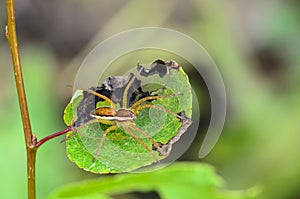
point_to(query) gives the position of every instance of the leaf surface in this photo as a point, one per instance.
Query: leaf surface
(120, 152)
(180, 180)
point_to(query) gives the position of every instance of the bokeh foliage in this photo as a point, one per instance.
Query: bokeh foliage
(201, 179)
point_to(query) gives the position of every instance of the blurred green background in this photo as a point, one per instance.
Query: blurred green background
(255, 44)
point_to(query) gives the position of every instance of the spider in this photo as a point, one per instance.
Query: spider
(124, 118)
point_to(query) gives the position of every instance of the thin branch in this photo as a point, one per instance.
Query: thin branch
(30, 139)
(13, 43)
(11, 35)
(49, 137)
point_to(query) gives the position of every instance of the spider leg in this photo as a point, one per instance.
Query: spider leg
(103, 121)
(155, 144)
(124, 99)
(137, 109)
(109, 129)
(68, 137)
(152, 98)
(140, 141)
(75, 129)
(101, 96)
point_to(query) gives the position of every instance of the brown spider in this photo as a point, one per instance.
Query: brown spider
(124, 118)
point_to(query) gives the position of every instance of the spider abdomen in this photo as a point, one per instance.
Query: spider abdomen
(105, 111)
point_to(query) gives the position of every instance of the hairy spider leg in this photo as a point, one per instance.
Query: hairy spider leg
(124, 99)
(146, 136)
(140, 141)
(75, 129)
(111, 103)
(137, 103)
(103, 121)
(109, 129)
(144, 106)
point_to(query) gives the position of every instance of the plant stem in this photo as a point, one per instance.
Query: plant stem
(13, 43)
(11, 35)
(45, 139)
(30, 139)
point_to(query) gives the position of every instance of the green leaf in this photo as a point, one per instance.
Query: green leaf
(70, 111)
(180, 180)
(120, 152)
